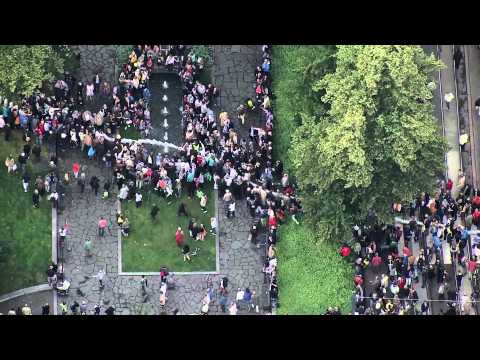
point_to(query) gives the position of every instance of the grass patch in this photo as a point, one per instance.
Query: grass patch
(151, 245)
(312, 276)
(129, 132)
(25, 232)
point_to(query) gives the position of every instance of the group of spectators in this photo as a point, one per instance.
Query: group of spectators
(240, 168)
(438, 222)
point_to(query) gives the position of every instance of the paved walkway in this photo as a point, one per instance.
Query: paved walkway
(234, 74)
(239, 260)
(450, 116)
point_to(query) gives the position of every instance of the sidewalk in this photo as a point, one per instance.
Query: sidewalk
(450, 116)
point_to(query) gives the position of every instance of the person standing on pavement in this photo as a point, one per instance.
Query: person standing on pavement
(110, 311)
(95, 184)
(52, 276)
(26, 310)
(74, 308)
(81, 182)
(46, 309)
(144, 284)
(63, 308)
(96, 310)
(83, 308)
(448, 99)
(376, 262)
(102, 224)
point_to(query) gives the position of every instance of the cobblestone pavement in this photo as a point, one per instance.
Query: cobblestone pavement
(239, 260)
(234, 73)
(96, 58)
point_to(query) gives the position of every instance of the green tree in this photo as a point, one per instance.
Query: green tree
(23, 68)
(295, 71)
(379, 141)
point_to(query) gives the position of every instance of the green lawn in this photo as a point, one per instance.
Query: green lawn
(151, 245)
(312, 275)
(25, 232)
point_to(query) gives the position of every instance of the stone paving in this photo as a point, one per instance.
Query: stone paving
(96, 58)
(234, 74)
(239, 260)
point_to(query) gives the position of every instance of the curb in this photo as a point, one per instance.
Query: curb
(26, 291)
(54, 254)
(217, 235)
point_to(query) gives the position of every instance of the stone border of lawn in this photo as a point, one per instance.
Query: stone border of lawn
(25, 291)
(54, 253)
(217, 252)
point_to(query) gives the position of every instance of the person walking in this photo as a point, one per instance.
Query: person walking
(25, 181)
(102, 224)
(144, 284)
(76, 169)
(81, 182)
(100, 276)
(88, 247)
(138, 199)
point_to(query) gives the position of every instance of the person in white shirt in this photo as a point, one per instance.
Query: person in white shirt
(231, 210)
(123, 192)
(138, 199)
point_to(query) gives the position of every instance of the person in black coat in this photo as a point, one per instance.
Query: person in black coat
(46, 309)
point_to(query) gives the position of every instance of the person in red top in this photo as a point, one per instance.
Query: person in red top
(179, 238)
(102, 224)
(472, 264)
(406, 251)
(358, 280)
(345, 251)
(76, 169)
(476, 216)
(272, 221)
(449, 185)
(376, 262)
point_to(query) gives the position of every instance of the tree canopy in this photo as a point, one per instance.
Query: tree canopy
(378, 142)
(23, 68)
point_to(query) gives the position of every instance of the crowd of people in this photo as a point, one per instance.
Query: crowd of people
(433, 221)
(240, 168)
